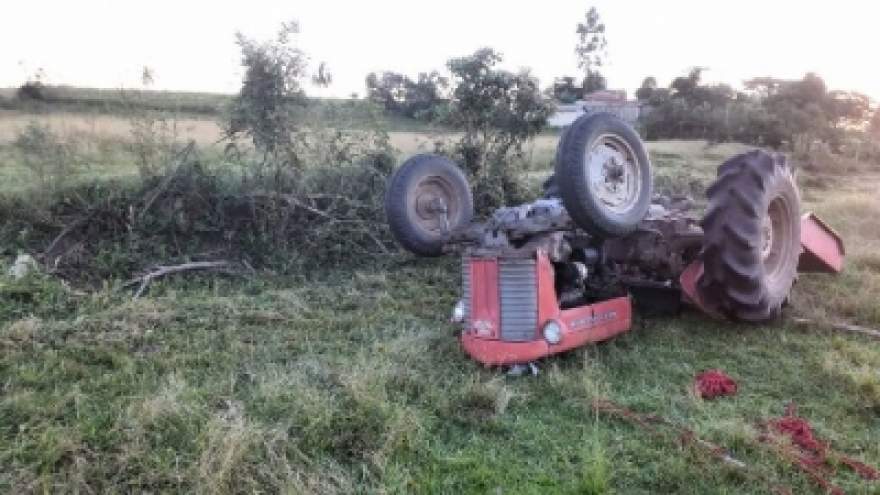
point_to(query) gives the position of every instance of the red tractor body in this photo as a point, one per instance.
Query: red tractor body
(510, 302)
(567, 269)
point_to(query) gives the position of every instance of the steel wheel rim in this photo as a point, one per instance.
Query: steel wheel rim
(613, 174)
(776, 234)
(435, 204)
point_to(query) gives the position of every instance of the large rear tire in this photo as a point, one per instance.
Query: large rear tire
(751, 240)
(603, 175)
(427, 198)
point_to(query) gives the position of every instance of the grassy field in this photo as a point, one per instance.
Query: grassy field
(104, 141)
(681, 166)
(349, 380)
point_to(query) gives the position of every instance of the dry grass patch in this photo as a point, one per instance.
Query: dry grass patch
(854, 212)
(858, 367)
(101, 127)
(21, 333)
(481, 399)
(167, 401)
(132, 324)
(223, 465)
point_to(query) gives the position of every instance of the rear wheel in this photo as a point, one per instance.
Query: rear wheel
(427, 198)
(751, 240)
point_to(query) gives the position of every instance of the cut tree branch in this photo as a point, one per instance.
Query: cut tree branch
(162, 271)
(163, 186)
(67, 230)
(840, 327)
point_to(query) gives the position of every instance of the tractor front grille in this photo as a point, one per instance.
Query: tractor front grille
(466, 288)
(517, 298)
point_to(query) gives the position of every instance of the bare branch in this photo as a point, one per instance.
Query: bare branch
(162, 271)
(155, 193)
(67, 230)
(840, 327)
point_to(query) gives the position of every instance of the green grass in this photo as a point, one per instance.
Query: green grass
(348, 379)
(351, 381)
(686, 167)
(121, 102)
(103, 141)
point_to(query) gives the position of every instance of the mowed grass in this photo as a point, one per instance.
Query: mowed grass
(349, 379)
(352, 382)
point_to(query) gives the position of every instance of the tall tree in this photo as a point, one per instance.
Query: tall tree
(388, 89)
(685, 86)
(764, 87)
(419, 99)
(875, 125)
(566, 89)
(649, 84)
(591, 50)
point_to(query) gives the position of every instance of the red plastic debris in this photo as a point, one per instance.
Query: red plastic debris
(808, 452)
(800, 432)
(714, 383)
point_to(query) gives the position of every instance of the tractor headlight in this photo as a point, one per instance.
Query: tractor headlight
(552, 332)
(458, 313)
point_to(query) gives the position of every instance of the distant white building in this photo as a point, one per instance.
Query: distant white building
(611, 101)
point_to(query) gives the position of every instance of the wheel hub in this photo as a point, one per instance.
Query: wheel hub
(614, 174)
(434, 204)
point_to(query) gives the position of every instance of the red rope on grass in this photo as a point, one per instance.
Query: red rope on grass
(714, 383)
(808, 452)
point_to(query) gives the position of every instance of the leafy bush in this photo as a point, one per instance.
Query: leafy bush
(155, 137)
(498, 112)
(303, 195)
(31, 91)
(46, 156)
(330, 212)
(272, 86)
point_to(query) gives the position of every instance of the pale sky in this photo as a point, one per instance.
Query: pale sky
(190, 44)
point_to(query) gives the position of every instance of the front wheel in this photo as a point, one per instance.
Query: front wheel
(427, 198)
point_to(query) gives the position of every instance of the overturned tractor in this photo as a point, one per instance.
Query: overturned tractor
(564, 270)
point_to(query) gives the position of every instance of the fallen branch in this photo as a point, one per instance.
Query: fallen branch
(162, 271)
(300, 204)
(291, 200)
(649, 422)
(166, 182)
(840, 326)
(67, 230)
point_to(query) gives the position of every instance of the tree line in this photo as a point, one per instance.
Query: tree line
(767, 111)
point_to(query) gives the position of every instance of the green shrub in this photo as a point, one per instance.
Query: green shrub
(32, 90)
(498, 112)
(197, 209)
(49, 159)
